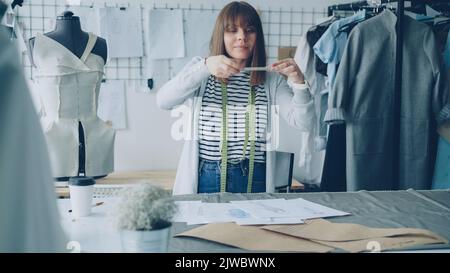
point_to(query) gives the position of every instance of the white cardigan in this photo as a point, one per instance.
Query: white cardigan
(187, 88)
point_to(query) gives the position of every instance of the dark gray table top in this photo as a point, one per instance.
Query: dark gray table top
(380, 209)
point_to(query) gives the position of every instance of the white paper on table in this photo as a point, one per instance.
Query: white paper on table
(269, 221)
(236, 212)
(293, 208)
(265, 208)
(218, 213)
(89, 18)
(186, 210)
(111, 103)
(123, 31)
(166, 36)
(309, 210)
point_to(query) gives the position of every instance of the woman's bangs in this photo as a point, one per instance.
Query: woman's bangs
(238, 17)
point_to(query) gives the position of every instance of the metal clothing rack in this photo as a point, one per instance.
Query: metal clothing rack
(397, 92)
(416, 6)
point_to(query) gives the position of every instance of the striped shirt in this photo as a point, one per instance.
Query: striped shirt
(238, 90)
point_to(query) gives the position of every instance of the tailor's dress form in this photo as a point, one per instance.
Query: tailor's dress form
(68, 88)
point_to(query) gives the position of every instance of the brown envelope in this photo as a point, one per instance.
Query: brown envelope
(320, 229)
(253, 238)
(357, 238)
(382, 244)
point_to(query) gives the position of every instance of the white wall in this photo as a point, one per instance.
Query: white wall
(146, 144)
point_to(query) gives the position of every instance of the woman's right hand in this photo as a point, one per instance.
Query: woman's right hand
(221, 66)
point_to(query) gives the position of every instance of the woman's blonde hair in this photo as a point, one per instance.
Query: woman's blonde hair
(248, 17)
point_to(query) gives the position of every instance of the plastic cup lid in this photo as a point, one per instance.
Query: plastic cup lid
(81, 181)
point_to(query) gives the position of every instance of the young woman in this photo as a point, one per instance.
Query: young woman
(232, 131)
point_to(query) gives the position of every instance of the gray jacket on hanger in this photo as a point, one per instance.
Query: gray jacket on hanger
(363, 96)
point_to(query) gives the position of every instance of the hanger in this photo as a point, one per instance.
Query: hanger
(347, 27)
(441, 22)
(372, 7)
(390, 5)
(325, 19)
(442, 7)
(351, 6)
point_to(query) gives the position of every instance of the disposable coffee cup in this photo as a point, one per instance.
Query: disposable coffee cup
(81, 193)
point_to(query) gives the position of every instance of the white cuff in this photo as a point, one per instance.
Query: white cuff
(298, 86)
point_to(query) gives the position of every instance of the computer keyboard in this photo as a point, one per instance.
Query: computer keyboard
(105, 191)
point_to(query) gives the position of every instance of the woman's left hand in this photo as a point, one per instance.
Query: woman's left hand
(288, 68)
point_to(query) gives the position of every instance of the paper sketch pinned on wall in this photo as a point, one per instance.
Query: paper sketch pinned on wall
(112, 104)
(158, 71)
(89, 18)
(165, 35)
(122, 29)
(198, 26)
(73, 2)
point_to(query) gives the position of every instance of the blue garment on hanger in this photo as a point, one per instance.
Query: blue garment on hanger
(330, 47)
(441, 179)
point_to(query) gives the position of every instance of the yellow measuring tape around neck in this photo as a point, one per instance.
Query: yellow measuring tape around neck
(250, 126)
